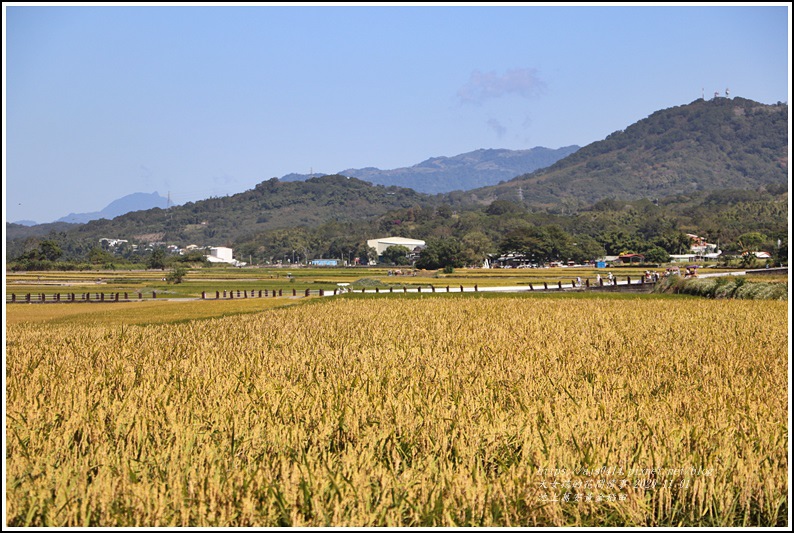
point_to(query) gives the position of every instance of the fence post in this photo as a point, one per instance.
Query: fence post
(307, 292)
(391, 289)
(322, 292)
(13, 298)
(140, 296)
(154, 294)
(628, 280)
(294, 292)
(334, 292)
(432, 288)
(58, 297)
(545, 285)
(279, 292)
(559, 284)
(102, 297)
(601, 281)
(203, 295)
(531, 287)
(475, 288)
(405, 289)
(419, 289)
(447, 288)
(117, 297)
(377, 290)
(587, 283)
(461, 288)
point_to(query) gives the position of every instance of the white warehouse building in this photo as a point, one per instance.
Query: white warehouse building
(221, 254)
(380, 245)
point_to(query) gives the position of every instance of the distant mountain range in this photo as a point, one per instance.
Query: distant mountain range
(471, 170)
(138, 201)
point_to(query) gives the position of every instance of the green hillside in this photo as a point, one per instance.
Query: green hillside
(270, 205)
(706, 145)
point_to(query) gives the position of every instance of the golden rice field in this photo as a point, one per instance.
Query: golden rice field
(390, 411)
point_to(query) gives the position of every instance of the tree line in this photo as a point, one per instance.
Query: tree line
(738, 221)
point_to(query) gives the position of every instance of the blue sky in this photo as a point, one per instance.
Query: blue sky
(208, 100)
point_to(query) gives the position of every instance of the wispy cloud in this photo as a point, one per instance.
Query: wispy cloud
(483, 86)
(497, 127)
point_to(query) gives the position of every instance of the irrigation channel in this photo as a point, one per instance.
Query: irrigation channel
(627, 284)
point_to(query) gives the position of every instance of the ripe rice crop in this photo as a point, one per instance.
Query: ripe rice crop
(390, 412)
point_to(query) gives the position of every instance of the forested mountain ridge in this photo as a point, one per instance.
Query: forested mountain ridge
(723, 143)
(272, 204)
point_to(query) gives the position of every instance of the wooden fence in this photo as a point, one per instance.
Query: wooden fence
(89, 297)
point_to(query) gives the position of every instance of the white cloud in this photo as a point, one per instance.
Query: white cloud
(523, 82)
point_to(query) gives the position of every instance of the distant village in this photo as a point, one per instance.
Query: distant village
(700, 251)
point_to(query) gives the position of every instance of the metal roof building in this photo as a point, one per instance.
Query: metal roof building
(381, 244)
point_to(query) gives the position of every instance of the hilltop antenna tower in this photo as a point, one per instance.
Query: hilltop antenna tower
(168, 201)
(520, 194)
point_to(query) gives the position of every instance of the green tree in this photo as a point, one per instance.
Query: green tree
(586, 249)
(156, 259)
(444, 211)
(503, 207)
(544, 244)
(657, 255)
(50, 250)
(558, 243)
(98, 256)
(752, 241)
(177, 274)
(441, 253)
(477, 246)
(396, 255)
